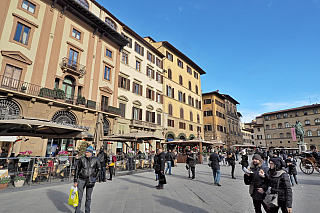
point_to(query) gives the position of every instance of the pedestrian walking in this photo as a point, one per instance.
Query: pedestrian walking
(280, 184)
(244, 160)
(175, 158)
(232, 163)
(257, 179)
(159, 168)
(237, 154)
(215, 159)
(169, 159)
(193, 159)
(277, 159)
(111, 163)
(292, 171)
(86, 172)
(156, 166)
(102, 156)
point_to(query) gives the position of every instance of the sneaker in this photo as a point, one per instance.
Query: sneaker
(193, 178)
(160, 187)
(218, 184)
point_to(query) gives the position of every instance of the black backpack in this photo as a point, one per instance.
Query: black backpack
(101, 157)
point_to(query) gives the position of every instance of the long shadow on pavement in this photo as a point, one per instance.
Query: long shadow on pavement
(163, 200)
(60, 200)
(137, 182)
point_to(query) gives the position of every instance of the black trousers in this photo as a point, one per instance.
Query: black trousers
(193, 170)
(232, 169)
(110, 172)
(281, 205)
(257, 206)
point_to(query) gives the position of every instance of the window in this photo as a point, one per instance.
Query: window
(169, 56)
(259, 137)
(207, 101)
(317, 121)
(149, 72)
(22, 34)
(124, 83)
(279, 126)
(278, 116)
(197, 89)
(111, 23)
(189, 84)
(136, 113)
(108, 53)
(258, 129)
(198, 129)
(83, 3)
(180, 63)
(307, 122)
(150, 117)
(28, 6)
(137, 88)
(191, 116)
(159, 98)
(207, 128)
(138, 65)
(150, 94)
(76, 34)
(305, 112)
(281, 135)
(190, 127)
(73, 57)
(170, 123)
(315, 111)
(169, 91)
(169, 74)
(266, 118)
(267, 126)
(170, 109)
(180, 80)
(285, 115)
(107, 71)
(159, 78)
(11, 76)
(197, 104)
(68, 87)
(288, 134)
(138, 49)
(318, 132)
(268, 136)
(198, 118)
(124, 58)
(150, 57)
(287, 125)
(104, 103)
(159, 63)
(122, 106)
(189, 70)
(296, 114)
(181, 114)
(207, 113)
(309, 133)
(180, 96)
(56, 83)
(182, 125)
(159, 119)
(195, 74)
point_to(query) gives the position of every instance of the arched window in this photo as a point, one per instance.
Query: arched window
(191, 116)
(317, 121)
(83, 3)
(111, 23)
(287, 125)
(197, 89)
(280, 126)
(288, 135)
(268, 136)
(169, 91)
(198, 118)
(189, 85)
(197, 104)
(180, 80)
(170, 109)
(68, 87)
(267, 126)
(181, 113)
(307, 122)
(309, 133)
(169, 74)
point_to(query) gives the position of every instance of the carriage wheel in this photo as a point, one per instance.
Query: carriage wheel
(306, 167)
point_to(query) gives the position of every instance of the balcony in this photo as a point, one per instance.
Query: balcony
(232, 114)
(73, 67)
(54, 94)
(142, 124)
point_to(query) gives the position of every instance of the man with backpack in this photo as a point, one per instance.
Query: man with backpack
(102, 156)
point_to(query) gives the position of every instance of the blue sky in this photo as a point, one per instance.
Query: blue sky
(265, 54)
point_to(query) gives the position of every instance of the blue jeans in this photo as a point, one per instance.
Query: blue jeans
(216, 175)
(157, 176)
(81, 186)
(244, 168)
(168, 167)
(295, 178)
(103, 174)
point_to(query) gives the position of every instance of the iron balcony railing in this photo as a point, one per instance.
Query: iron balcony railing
(145, 124)
(54, 94)
(73, 66)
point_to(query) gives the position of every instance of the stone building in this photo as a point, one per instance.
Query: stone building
(59, 61)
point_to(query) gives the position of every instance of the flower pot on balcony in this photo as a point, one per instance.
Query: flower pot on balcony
(24, 159)
(18, 183)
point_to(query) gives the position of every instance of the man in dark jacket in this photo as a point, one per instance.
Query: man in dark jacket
(215, 159)
(169, 159)
(292, 171)
(102, 156)
(159, 167)
(87, 170)
(257, 178)
(2, 161)
(193, 159)
(232, 163)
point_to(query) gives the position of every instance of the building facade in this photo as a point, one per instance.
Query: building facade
(182, 98)
(277, 126)
(59, 61)
(221, 118)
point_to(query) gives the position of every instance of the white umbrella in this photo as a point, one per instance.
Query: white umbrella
(98, 133)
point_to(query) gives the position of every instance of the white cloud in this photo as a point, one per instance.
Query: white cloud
(274, 106)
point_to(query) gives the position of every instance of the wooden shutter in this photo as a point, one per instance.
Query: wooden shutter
(192, 101)
(147, 115)
(128, 84)
(161, 99)
(161, 77)
(142, 51)
(140, 114)
(140, 89)
(153, 117)
(135, 46)
(148, 55)
(199, 104)
(147, 71)
(130, 44)
(167, 54)
(119, 82)
(132, 112)
(172, 92)
(157, 97)
(167, 90)
(184, 97)
(172, 123)
(133, 86)
(152, 74)
(153, 58)
(152, 92)
(161, 64)
(147, 93)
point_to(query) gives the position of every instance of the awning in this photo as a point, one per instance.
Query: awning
(8, 138)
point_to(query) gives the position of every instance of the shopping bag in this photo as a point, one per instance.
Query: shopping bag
(162, 179)
(73, 197)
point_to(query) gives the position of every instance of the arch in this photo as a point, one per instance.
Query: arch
(279, 125)
(307, 122)
(150, 107)
(171, 134)
(169, 74)
(159, 110)
(106, 126)
(111, 23)
(64, 117)
(123, 98)
(191, 136)
(317, 121)
(189, 84)
(180, 80)
(182, 136)
(137, 103)
(9, 109)
(83, 3)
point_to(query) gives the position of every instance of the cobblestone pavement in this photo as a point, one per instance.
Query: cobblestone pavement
(137, 193)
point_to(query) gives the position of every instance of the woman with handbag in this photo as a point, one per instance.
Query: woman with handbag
(279, 183)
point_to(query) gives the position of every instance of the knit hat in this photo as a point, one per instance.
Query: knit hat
(257, 157)
(276, 162)
(89, 149)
